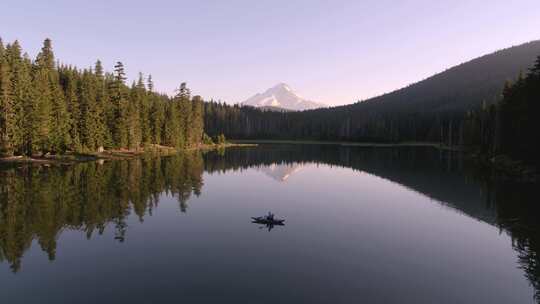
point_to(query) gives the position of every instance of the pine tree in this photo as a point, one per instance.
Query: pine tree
(5, 83)
(150, 84)
(43, 98)
(55, 120)
(70, 81)
(26, 117)
(144, 111)
(534, 71)
(157, 118)
(133, 117)
(119, 121)
(171, 134)
(102, 103)
(60, 120)
(17, 91)
(183, 103)
(90, 116)
(197, 119)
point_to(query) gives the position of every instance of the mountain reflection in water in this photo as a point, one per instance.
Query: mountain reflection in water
(280, 173)
(40, 203)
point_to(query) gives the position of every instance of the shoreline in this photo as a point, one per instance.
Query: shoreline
(348, 144)
(121, 154)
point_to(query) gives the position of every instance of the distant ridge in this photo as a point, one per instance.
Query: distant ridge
(460, 87)
(281, 98)
(431, 110)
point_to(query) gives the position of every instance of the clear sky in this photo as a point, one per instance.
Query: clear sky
(334, 52)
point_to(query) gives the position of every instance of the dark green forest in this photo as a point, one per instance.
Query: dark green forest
(48, 107)
(467, 106)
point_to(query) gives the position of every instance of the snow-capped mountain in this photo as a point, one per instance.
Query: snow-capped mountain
(281, 96)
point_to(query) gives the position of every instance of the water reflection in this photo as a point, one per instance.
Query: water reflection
(281, 173)
(443, 176)
(517, 209)
(268, 226)
(39, 203)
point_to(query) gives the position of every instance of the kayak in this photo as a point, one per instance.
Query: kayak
(264, 220)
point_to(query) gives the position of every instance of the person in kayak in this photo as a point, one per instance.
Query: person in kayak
(270, 216)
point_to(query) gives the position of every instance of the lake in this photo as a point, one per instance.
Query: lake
(363, 225)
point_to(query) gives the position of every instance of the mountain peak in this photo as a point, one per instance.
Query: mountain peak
(281, 96)
(282, 86)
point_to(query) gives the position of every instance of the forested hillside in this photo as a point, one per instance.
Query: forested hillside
(510, 127)
(47, 107)
(433, 110)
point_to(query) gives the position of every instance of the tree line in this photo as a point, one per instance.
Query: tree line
(47, 107)
(502, 125)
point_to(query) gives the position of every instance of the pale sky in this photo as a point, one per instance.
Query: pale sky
(334, 52)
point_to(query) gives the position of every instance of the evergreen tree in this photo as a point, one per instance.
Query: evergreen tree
(5, 99)
(133, 117)
(157, 118)
(197, 119)
(70, 81)
(26, 94)
(59, 121)
(150, 84)
(144, 111)
(183, 104)
(156, 114)
(42, 83)
(119, 120)
(104, 136)
(91, 122)
(171, 129)
(16, 95)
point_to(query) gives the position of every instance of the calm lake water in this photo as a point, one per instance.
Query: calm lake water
(363, 225)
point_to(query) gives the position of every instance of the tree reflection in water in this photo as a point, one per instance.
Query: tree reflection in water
(38, 203)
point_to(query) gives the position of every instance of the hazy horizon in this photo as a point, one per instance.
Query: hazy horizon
(327, 52)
